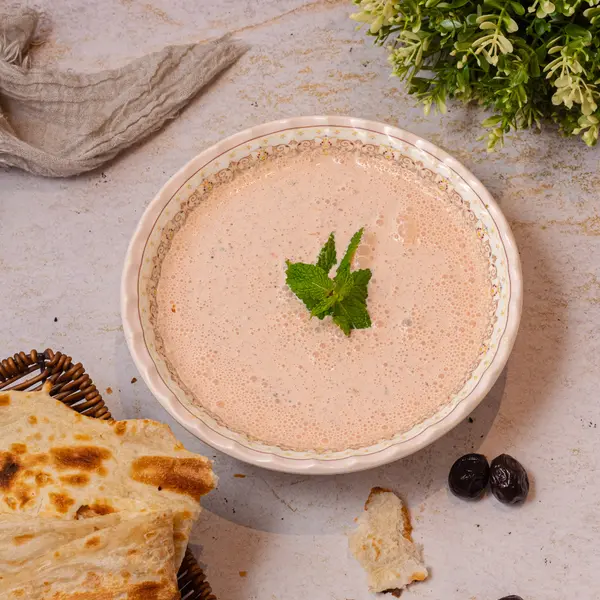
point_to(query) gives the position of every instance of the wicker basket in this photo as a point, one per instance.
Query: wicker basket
(73, 386)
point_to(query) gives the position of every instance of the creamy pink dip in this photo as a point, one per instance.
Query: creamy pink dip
(245, 345)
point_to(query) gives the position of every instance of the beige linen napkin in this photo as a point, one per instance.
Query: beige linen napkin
(59, 124)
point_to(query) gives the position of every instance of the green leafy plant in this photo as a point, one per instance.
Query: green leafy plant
(526, 61)
(343, 297)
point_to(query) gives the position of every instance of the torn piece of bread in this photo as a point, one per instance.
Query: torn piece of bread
(383, 545)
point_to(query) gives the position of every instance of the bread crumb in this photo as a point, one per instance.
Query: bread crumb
(383, 545)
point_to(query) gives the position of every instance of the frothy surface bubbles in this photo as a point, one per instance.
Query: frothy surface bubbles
(244, 344)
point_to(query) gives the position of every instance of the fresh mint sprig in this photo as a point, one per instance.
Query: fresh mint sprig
(343, 297)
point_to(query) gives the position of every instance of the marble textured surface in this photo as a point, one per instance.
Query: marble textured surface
(269, 536)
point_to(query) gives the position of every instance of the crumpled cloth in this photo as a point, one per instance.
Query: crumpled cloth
(59, 124)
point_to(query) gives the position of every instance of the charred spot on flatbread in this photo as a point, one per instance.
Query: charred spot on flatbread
(24, 494)
(189, 476)
(4, 400)
(92, 542)
(87, 511)
(92, 580)
(82, 458)
(120, 427)
(61, 501)
(9, 469)
(18, 448)
(34, 460)
(151, 590)
(19, 540)
(78, 480)
(42, 478)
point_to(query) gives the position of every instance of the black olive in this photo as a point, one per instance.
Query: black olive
(508, 480)
(469, 476)
(513, 597)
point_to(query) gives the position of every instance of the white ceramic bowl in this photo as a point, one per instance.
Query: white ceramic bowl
(167, 211)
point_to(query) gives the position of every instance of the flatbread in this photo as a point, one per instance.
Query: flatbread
(56, 463)
(132, 560)
(23, 539)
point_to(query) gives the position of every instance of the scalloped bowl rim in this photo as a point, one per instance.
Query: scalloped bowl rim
(135, 339)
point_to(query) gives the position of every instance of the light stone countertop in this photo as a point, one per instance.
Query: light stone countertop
(271, 536)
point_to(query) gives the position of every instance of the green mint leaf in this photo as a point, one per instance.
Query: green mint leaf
(344, 281)
(343, 323)
(309, 282)
(324, 314)
(361, 278)
(344, 297)
(346, 262)
(327, 256)
(323, 308)
(351, 312)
